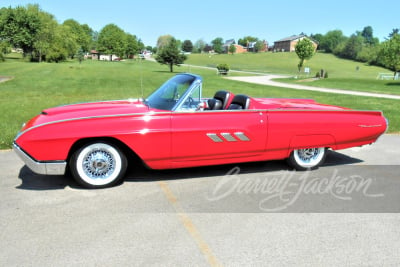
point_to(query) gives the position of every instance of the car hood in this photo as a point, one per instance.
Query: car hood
(87, 110)
(97, 109)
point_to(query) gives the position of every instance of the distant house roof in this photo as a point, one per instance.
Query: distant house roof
(291, 38)
(295, 37)
(229, 42)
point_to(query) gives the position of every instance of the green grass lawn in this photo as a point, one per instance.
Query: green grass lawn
(343, 74)
(357, 84)
(286, 63)
(37, 86)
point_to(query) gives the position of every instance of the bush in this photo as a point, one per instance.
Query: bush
(223, 69)
(223, 66)
(56, 56)
(321, 74)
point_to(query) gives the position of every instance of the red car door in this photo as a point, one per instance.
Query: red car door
(216, 137)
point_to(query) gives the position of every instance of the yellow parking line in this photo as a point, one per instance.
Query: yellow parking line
(189, 225)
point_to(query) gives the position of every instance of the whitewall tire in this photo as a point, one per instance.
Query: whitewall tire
(98, 165)
(308, 158)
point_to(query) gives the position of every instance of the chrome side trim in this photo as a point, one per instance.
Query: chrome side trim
(214, 137)
(241, 136)
(228, 137)
(47, 168)
(370, 126)
(94, 117)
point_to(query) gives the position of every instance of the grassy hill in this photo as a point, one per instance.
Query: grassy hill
(343, 74)
(286, 63)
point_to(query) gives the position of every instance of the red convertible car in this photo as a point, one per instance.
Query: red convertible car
(175, 127)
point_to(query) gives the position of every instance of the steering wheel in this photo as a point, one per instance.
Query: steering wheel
(191, 101)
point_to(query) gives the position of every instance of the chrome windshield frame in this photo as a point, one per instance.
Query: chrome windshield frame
(197, 83)
(157, 101)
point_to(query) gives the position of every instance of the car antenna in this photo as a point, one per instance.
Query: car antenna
(141, 78)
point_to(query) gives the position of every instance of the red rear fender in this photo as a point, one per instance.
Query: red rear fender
(312, 141)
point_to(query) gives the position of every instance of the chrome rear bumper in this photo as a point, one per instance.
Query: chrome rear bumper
(47, 168)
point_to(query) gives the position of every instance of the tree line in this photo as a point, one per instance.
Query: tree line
(42, 38)
(217, 45)
(362, 46)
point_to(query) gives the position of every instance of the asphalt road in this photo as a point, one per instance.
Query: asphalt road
(255, 214)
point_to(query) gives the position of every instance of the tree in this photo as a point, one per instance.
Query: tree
(353, 46)
(394, 31)
(317, 37)
(368, 54)
(95, 38)
(217, 44)
(170, 55)
(18, 26)
(246, 40)
(199, 45)
(39, 34)
(4, 49)
(163, 40)
(304, 50)
(63, 44)
(259, 46)
(141, 45)
(331, 40)
(132, 45)
(81, 33)
(91, 34)
(112, 40)
(367, 34)
(390, 53)
(232, 49)
(149, 48)
(80, 55)
(36, 32)
(68, 40)
(207, 48)
(44, 37)
(187, 46)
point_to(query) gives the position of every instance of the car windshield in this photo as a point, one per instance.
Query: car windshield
(172, 94)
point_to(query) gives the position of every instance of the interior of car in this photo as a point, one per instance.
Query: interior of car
(226, 100)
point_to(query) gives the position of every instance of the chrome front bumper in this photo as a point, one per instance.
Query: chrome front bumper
(47, 168)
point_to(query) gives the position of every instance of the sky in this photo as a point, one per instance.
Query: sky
(228, 19)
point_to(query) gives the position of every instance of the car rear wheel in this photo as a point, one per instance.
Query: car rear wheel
(308, 158)
(98, 165)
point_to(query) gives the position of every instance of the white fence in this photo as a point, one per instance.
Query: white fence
(387, 76)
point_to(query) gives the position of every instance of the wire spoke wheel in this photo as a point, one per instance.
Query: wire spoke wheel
(307, 158)
(98, 165)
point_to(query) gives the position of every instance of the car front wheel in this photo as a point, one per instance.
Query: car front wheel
(98, 165)
(308, 158)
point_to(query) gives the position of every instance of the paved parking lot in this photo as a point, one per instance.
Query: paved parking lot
(254, 214)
